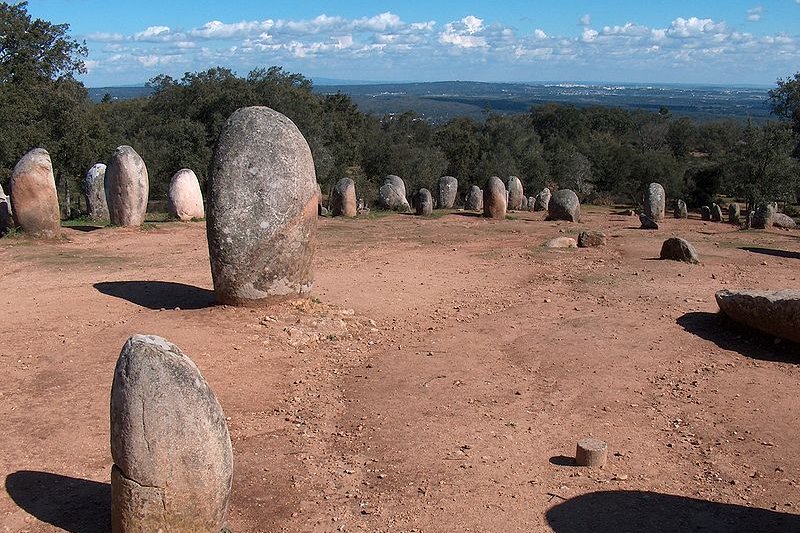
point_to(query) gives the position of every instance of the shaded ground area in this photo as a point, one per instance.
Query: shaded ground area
(438, 379)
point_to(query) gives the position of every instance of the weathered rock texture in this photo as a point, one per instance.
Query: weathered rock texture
(494, 199)
(773, 312)
(564, 205)
(392, 194)
(561, 242)
(763, 217)
(680, 210)
(423, 202)
(6, 218)
(647, 222)
(716, 213)
(185, 197)
(590, 239)
(173, 461)
(343, 199)
(127, 187)
(531, 203)
(782, 220)
(262, 210)
(655, 201)
(542, 200)
(524, 205)
(515, 193)
(679, 249)
(474, 199)
(34, 197)
(734, 213)
(94, 190)
(446, 191)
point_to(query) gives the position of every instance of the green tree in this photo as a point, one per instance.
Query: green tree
(785, 102)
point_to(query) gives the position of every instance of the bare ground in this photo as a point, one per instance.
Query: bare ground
(438, 379)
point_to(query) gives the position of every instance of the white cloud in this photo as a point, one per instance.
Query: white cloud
(754, 14)
(586, 20)
(464, 34)
(539, 34)
(589, 35)
(153, 33)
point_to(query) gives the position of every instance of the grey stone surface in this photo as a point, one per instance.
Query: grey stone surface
(716, 213)
(494, 199)
(564, 205)
(678, 249)
(185, 196)
(680, 210)
(542, 200)
(94, 190)
(781, 220)
(763, 217)
(734, 213)
(531, 203)
(34, 198)
(173, 461)
(262, 210)
(515, 193)
(590, 239)
(776, 313)
(705, 213)
(474, 199)
(524, 205)
(343, 199)
(655, 202)
(423, 202)
(392, 195)
(647, 222)
(6, 217)
(561, 242)
(127, 187)
(446, 192)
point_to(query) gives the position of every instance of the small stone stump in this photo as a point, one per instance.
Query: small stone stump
(494, 199)
(185, 197)
(423, 202)
(474, 199)
(681, 210)
(262, 210)
(679, 249)
(343, 199)
(34, 196)
(591, 452)
(173, 461)
(647, 222)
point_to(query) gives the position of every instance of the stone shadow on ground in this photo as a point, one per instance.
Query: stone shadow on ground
(72, 504)
(158, 294)
(785, 254)
(651, 512)
(730, 335)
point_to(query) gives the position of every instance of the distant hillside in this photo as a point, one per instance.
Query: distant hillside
(441, 101)
(119, 93)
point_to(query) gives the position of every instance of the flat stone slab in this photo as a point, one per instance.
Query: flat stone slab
(772, 312)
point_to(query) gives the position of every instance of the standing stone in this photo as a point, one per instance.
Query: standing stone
(6, 218)
(127, 188)
(734, 213)
(590, 239)
(494, 199)
(705, 213)
(474, 199)
(173, 461)
(34, 195)
(591, 452)
(515, 193)
(262, 210)
(564, 205)
(94, 190)
(655, 202)
(185, 197)
(647, 222)
(343, 199)
(524, 205)
(679, 249)
(782, 220)
(392, 195)
(531, 202)
(447, 190)
(716, 213)
(423, 202)
(680, 210)
(542, 200)
(763, 217)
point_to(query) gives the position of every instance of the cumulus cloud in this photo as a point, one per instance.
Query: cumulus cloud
(586, 20)
(754, 14)
(464, 34)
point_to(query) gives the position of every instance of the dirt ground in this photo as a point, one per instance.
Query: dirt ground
(438, 379)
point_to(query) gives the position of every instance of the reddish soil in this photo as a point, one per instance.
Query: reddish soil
(438, 379)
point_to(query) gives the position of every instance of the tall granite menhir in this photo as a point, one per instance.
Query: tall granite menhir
(655, 202)
(173, 461)
(94, 189)
(262, 210)
(127, 188)
(33, 195)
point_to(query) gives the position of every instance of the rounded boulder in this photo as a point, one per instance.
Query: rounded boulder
(776, 313)
(392, 194)
(423, 202)
(34, 196)
(564, 205)
(173, 461)
(185, 196)
(127, 187)
(262, 210)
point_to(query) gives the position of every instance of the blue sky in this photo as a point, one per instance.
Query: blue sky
(719, 42)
